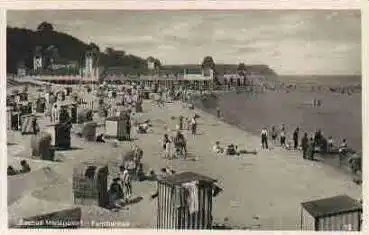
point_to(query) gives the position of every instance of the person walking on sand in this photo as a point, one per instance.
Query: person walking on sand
(304, 145)
(274, 135)
(296, 138)
(264, 138)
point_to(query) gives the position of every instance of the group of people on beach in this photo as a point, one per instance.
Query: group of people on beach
(120, 190)
(309, 146)
(175, 146)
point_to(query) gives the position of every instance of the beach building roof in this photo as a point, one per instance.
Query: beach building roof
(331, 206)
(184, 177)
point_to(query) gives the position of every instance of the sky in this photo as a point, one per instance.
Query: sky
(292, 42)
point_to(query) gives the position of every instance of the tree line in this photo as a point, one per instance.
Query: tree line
(23, 44)
(54, 46)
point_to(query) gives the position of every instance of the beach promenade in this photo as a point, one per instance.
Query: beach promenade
(262, 191)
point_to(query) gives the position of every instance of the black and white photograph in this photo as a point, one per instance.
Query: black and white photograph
(185, 119)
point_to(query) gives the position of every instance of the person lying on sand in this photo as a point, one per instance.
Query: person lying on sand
(11, 171)
(143, 128)
(232, 150)
(217, 148)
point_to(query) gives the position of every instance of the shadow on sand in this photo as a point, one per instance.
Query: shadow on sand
(66, 149)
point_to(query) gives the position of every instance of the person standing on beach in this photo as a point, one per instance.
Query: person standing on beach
(304, 145)
(274, 135)
(180, 122)
(282, 136)
(311, 149)
(35, 126)
(165, 140)
(330, 144)
(193, 125)
(342, 150)
(218, 112)
(264, 138)
(296, 138)
(318, 137)
(167, 147)
(127, 182)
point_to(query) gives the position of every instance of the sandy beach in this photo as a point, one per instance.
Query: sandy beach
(262, 191)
